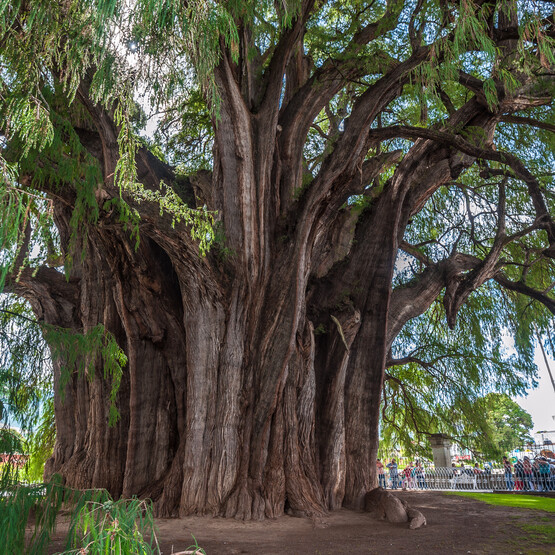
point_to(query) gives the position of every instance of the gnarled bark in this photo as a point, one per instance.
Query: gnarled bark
(254, 374)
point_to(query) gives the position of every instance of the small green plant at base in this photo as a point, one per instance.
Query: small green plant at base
(114, 528)
(98, 525)
(18, 505)
(193, 549)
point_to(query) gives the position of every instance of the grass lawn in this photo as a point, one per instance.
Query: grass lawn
(535, 535)
(515, 500)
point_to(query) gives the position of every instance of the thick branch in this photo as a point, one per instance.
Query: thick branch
(414, 298)
(273, 77)
(52, 297)
(524, 289)
(464, 146)
(298, 114)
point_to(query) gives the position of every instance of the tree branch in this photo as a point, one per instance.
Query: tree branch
(273, 77)
(529, 121)
(52, 297)
(503, 157)
(458, 290)
(524, 289)
(415, 297)
(297, 115)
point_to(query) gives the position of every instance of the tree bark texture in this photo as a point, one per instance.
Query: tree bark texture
(254, 374)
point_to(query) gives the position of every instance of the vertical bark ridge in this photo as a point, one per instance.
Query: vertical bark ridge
(304, 494)
(204, 329)
(331, 408)
(371, 290)
(227, 433)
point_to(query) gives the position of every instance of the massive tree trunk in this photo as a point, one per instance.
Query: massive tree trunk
(231, 402)
(245, 393)
(254, 374)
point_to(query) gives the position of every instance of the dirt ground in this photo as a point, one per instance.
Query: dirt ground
(455, 525)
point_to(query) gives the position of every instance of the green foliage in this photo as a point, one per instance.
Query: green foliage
(82, 353)
(509, 424)
(201, 221)
(25, 369)
(186, 133)
(97, 523)
(119, 527)
(449, 386)
(24, 220)
(26, 373)
(17, 504)
(60, 43)
(40, 443)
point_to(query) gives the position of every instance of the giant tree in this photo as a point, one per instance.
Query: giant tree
(243, 255)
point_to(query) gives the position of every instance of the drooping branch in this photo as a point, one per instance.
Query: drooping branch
(466, 147)
(414, 298)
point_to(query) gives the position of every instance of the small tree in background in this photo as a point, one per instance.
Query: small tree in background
(509, 423)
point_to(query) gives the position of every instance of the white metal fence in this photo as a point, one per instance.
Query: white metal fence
(531, 469)
(469, 479)
(446, 479)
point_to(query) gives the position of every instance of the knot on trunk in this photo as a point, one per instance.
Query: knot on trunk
(386, 506)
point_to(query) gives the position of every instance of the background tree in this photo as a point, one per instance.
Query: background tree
(510, 424)
(256, 297)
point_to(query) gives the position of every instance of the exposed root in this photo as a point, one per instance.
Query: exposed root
(386, 506)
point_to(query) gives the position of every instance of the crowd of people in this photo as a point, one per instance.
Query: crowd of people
(524, 475)
(412, 476)
(527, 475)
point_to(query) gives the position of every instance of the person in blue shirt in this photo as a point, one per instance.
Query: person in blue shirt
(393, 473)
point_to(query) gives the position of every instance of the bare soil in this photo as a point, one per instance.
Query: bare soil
(455, 525)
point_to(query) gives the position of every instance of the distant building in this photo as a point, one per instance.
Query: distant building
(544, 436)
(459, 454)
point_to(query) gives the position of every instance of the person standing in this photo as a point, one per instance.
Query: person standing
(528, 474)
(419, 473)
(393, 473)
(508, 471)
(519, 476)
(407, 477)
(544, 472)
(478, 476)
(536, 474)
(381, 474)
(487, 476)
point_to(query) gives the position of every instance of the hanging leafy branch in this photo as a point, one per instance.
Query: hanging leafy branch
(27, 349)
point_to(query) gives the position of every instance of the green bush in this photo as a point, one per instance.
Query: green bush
(98, 524)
